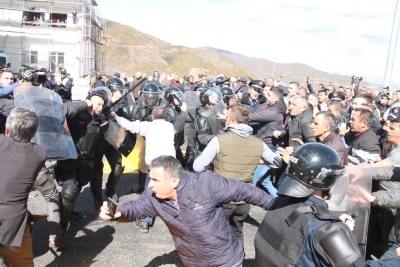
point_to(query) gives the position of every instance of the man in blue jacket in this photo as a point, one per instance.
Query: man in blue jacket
(190, 204)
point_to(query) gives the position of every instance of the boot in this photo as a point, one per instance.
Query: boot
(139, 187)
(96, 188)
(112, 182)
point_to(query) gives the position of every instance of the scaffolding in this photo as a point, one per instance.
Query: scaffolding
(51, 26)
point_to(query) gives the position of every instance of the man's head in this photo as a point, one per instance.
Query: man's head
(297, 105)
(159, 113)
(165, 175)
(348, 93)
(313, 100)
(293, 89)
(255, 90)
(340, 89)
(273, 95)
(279, 79)
(138, 75)
(362, 99)
(6, 78)
(393, 128)
(361, 120)
(324, 124)
(385, 90)
(237, 113)
(63, 72)
(384, 98)
(176, 78)
(21, 125)
(303, 91)
(270, 82)
(323, 95)
(336, 108)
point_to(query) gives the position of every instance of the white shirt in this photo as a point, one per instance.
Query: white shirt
(159, 136)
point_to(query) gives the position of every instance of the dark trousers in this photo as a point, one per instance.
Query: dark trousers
(148, 220)
(236, 214)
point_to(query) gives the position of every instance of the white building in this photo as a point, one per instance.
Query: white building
(47, 36)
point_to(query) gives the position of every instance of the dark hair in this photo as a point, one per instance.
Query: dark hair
(366, 115)
(22, 124)
(276, 91)
(5, 71)
(159, 113)
(240, 113)
(329, 118)
(325, 91)
(367, 97)
(170, 165)
(338, 106)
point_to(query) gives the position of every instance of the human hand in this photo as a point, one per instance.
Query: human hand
(105, 213)
(343, 129)
(298, 140)
(111, 115)
(284, 155)
(290, 150)
(276, 134)
(184, 107)
(348, 220)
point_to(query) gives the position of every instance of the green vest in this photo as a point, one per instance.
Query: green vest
(238, 156)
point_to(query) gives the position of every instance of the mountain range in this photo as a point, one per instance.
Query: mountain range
(129, 50)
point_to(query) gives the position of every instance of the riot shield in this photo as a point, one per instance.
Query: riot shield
(192, 100)
(119, 138)
(48, 107)
(350, 195)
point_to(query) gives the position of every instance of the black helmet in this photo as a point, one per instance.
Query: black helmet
(226, 93)
(211, 81)
(115, 84)
(221, 80)
(312, 166)
(208, 91)
(102, 92)
(173, 92)
(156, 74)
(150, 91)
(198, 86)
(63, 71)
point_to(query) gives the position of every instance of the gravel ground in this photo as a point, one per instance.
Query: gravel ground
(99, 243)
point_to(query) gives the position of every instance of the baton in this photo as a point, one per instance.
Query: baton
(180, 103)
(128, 92)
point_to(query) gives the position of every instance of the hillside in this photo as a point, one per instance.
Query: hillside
(129, 50)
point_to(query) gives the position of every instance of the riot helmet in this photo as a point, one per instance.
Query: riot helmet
(150, 94)
(171, 93)
(198, 86)
(115, 84)
(220, 80)
(312, 167)
(156, 74)
(211, 81)
(226, 93)
(210, 91)
(102, 92)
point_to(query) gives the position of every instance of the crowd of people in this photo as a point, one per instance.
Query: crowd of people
(263, 142)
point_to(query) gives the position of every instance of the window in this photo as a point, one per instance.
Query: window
(31, 57)
(56, 60)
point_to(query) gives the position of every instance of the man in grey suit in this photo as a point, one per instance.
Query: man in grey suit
(19, 168)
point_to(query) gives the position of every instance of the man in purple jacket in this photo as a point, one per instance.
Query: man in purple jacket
(190, 204)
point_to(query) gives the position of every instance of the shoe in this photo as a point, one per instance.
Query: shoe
(143, 226)
(136, 188)
(59, 242)
(111, 194)
(76, 214)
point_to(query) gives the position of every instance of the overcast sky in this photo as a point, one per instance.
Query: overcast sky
(342, 37)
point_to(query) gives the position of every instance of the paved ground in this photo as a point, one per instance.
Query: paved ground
(99, 243)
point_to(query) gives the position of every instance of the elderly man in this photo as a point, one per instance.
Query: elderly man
(190, 204)
(299, 124)
(15, 184)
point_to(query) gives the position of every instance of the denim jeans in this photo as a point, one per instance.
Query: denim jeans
(262, 178)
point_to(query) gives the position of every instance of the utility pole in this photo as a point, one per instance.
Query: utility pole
(392, 46)
(273, 72)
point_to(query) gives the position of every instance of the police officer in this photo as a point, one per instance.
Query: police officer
(64, 86)
(82, 124)
(298, 229)
(228, 96)
(104, 148)
(186, 85)
(206, 123)
(142, 109)
(177, 113)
